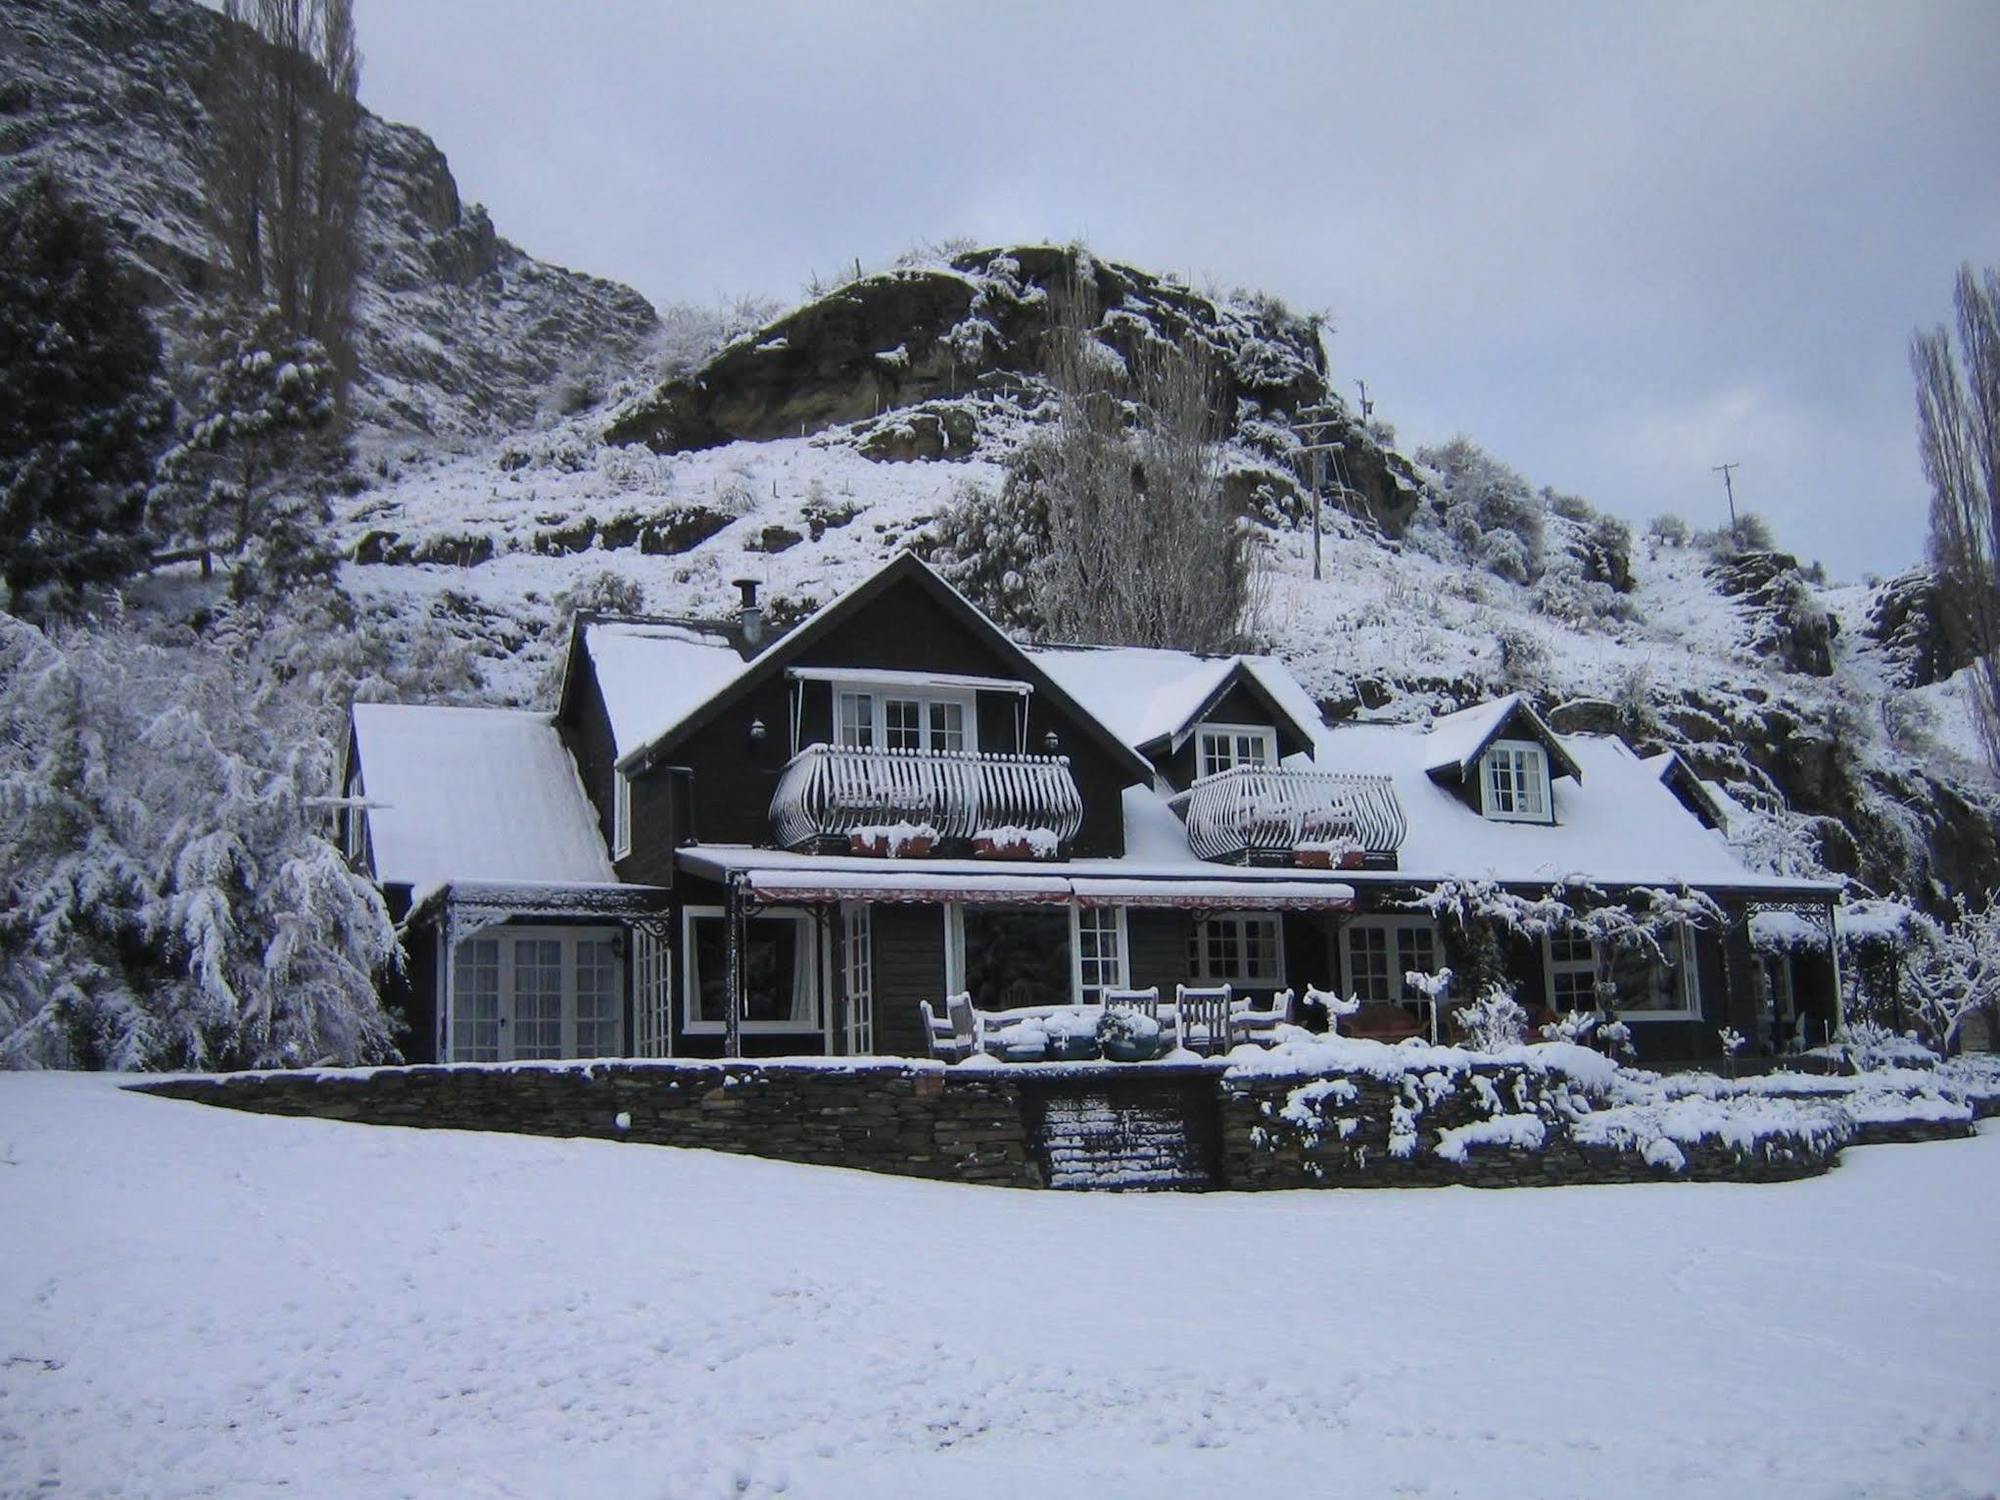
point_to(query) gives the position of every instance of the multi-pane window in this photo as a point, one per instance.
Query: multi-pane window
(1237, 948)
(1219, 747)
(597, 1000)
(904, 721)
(1572, 966)
(857, 719)
(1382, 953)
(1515, 782)
(1100, 952)
(1658, 983)
(536, 993)
(475, 1018)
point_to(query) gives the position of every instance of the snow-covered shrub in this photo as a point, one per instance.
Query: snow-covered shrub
(988, 544)
(1668, 530)
(1487, 510)
(1523, 658)
(600, 592)
(1751, 533)
(1494, 1021)
(1127, 1031)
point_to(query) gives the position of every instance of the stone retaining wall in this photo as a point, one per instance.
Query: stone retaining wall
(921, 1120)
(912, 1119)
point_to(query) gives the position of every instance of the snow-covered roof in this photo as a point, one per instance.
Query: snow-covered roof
(460, 794)
(654, 675)
(1618, 823)
(1146, 694)
(1456, 740)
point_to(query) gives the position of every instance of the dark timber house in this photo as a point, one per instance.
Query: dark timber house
(720, 844)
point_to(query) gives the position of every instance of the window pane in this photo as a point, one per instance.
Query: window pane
(475, 1027)
(776, 980)
(1100, 956)
(948, 726)
(538, 986)
(857, 719)
(1416, 952)
(597, 999)
(903, 723)
(1017, 955)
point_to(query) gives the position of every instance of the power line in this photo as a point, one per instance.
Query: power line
(1724, 470)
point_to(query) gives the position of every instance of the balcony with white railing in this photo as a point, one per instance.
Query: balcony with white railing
(1277, 815)
(833, 794)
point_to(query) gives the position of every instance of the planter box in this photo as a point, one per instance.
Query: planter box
(877, 846)
(1324, 859)
(985, 848)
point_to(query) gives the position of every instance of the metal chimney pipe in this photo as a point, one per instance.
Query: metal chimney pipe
(749, 614)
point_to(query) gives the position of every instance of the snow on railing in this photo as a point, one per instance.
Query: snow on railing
(1274, 809)
(836, 790)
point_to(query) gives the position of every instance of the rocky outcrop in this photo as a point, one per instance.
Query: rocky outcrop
(1910, 619)
(459, 331)
(911, 356)
(1784, 619)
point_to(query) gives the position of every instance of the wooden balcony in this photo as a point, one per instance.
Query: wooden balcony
(1276, 815)
(831, 794)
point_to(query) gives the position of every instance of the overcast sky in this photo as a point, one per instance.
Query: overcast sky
(1614, 244)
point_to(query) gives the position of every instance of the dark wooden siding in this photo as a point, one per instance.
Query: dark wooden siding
(1159, 948)
(1240, 705)
(905, 629)
(586, 731)
(909, 968)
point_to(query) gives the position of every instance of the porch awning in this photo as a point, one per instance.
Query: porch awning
(810, 887)
(1217, 895)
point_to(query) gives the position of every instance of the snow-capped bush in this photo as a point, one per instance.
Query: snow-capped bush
(1492, 1022)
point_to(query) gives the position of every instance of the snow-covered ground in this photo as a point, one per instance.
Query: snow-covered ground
(195, 1302)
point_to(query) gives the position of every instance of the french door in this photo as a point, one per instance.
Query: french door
(551, 992)
(858, 971)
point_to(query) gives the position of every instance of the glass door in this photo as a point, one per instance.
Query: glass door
(858, 961)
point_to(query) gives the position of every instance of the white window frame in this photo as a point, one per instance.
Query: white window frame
(1122, 975)
(1684, 961)
(1198, 948)
(621, 814)
(1529, 764)
(805, 968)
(1216, 747)
(652, 994)
(505, 935)
(879, 696)
(954, 950)
(1592, 966)
(1393, 927)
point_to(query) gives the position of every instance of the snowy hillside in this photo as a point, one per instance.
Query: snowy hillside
(199, 1302)
(459, 331)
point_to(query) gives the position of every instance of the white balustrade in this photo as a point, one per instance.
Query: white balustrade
(1275, 809)
(835, 790)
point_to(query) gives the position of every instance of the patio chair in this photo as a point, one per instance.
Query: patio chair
(1251, 1022)
(1146, 1000)
(1204, 1018)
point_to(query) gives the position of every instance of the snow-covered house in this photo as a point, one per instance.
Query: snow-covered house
(720, 844)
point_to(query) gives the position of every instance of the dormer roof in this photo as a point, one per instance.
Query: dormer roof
(1154, 699)
(1456, 741)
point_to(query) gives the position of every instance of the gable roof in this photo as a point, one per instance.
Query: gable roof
(905, 567)
(651, 674)
(1152, 697)
(1457, 740)
(1701, 798)
(459, 794)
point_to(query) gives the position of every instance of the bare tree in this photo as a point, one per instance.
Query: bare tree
(284, 163)
(1143, 548)
(1958, 431)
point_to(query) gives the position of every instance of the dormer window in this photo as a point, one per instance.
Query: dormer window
(1514, 782)
(1221, 747)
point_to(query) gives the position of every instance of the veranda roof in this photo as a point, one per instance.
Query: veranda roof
(776, 876)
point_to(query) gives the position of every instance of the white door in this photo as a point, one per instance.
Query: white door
(858, 962)
(537, 993)
(652, 995)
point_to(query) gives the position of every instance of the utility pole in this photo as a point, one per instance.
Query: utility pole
(1315, 421)
(1729, 488)
(1367, 406)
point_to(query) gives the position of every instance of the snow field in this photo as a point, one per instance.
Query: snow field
(197, 1302)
